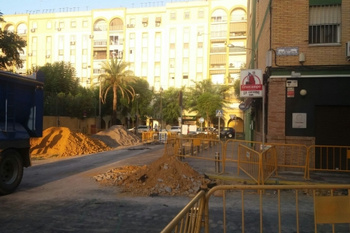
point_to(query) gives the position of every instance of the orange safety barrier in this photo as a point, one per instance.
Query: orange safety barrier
(257, 165)
(266, 208)
(328, 158)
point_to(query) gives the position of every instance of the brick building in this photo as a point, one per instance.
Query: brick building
(302, 47)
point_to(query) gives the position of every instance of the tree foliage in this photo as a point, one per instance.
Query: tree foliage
(62, 94)
(60, 77)
(205, 98)
(11, 45)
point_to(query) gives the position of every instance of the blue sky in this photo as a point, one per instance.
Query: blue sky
(40, 6)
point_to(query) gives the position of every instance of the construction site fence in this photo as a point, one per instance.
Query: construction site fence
(256, 159)
(266, 208)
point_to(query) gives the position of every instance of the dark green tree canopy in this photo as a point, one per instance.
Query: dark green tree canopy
(205, 98)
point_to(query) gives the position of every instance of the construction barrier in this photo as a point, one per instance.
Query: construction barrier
(259, 161)
(197, 148)
(262, 208)
(328, 158)
(257, 165)
(190, 218)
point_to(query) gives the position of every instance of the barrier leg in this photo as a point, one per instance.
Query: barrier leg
(217, 162)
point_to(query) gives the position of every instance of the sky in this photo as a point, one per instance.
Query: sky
(8, 7)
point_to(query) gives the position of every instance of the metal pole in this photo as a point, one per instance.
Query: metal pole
(99, 109)
(263, 117)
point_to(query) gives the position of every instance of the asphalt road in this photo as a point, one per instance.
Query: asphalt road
(62, 196)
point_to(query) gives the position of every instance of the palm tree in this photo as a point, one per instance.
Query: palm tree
(118, 78)
(205, 97)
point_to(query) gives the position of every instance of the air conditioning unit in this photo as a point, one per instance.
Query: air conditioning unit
(32, 30)
(58, 29)
(348, 49)
(72, 43)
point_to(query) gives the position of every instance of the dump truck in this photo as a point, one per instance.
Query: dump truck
(21, 117)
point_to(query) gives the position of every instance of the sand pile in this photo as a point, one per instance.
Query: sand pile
(61, 142)
(165, 176)
(117, 136)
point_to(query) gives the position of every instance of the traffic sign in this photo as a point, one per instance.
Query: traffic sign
(201, 120)
(219, 113)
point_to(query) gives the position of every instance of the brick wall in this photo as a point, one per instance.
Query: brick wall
(276, 110)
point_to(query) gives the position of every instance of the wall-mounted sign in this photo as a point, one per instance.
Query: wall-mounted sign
(251, 83)
(299, 120)
(287, 51)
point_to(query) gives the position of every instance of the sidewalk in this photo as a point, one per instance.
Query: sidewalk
(231, 174)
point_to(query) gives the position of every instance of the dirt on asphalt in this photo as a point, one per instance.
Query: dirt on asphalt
(165, 176)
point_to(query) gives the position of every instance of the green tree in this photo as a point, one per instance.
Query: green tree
(116, 77)
(205, 98)
(11, 45)
(171, 110)
(237, 89)
(60, 77)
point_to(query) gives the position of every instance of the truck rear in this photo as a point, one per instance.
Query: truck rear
(21, 117)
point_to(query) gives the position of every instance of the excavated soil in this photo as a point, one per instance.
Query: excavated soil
(117, 136)
(165, 176)
(62, 142)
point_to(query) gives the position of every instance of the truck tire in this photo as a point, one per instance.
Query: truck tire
(11, 171)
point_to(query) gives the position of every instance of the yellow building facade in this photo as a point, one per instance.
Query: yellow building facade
(169, 46)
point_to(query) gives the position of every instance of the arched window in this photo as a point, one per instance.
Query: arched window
(238, 15)
(100, 25)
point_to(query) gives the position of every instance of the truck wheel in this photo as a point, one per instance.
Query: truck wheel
(11, 171)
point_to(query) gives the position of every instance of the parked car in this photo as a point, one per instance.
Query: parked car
(227, 132)
(142, 128)
(175, 129)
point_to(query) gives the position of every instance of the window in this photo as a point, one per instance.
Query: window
(200, 14)
(173, 16)
(324, 24)
(187, 15)
(85, 24)
(73, 24)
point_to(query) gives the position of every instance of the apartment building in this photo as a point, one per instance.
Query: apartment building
(169, 46)
(302, 47)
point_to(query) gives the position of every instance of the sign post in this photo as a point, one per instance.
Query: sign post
(201, 120)
(219, 114)
(252, 86)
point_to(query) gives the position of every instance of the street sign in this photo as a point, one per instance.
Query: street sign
(219, 113)
(251, 83)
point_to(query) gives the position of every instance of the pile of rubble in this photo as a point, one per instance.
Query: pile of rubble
(165, 176)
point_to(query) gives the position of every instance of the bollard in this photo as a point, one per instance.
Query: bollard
(217, 162)
(181, 155)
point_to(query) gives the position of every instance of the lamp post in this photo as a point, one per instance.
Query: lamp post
(99, 106)
(161, 110)
(137, 111)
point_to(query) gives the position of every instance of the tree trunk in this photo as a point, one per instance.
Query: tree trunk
(114, 113)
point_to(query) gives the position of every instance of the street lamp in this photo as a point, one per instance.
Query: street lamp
(137, 111)
(99, 126)
(161, 110)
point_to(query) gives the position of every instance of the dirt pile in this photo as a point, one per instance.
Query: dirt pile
(165, 176)
(117, 136)
(61, 142)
